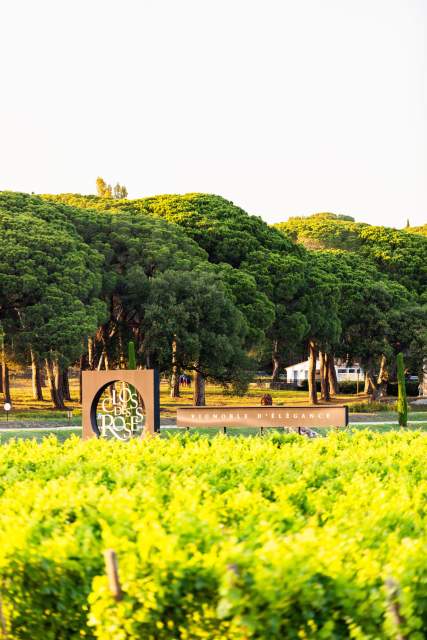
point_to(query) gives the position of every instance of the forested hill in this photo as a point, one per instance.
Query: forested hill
(397, 253)
(200, 285)
(224, 230)
(264, 269)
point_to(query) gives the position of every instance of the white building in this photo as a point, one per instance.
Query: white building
(298, 373)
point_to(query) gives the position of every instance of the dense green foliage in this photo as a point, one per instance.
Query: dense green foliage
(50, 280)
(276, 537)
(224, 230)
(267, 269)
(401, 255)
(142, 266)
(383, 288)
(200, 286)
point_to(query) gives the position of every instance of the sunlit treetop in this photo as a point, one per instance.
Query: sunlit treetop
(399, 254)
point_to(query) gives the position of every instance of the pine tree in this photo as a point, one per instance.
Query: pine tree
(101, 186)
(120, 191)
(103, 189)
(131, 355)
(117, 191)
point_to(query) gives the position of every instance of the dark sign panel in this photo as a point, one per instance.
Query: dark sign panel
(327, 416)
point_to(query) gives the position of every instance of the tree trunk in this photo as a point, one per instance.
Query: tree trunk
(106, 361)
(36, 377)
(83, 366)
(422, 379)
(332, 374)
(5, 382)
(367, 383)
(276, 362)
(90, 354)
(62, 382)
(101, 360)
(382, 381)
(55, 393)
(174, 390)
(1, 378)
(66, 385)
(122, 358)
(370, 386)
(312, 391)
(324, 379)
(5, 377)
(199, 395)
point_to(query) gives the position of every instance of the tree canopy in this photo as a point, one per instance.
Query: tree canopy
(397, 253)
(199, 285)
(50, 280)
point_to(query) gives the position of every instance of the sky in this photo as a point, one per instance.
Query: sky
(285, 107)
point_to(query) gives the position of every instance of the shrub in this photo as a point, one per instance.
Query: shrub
(371, 407)
(411, 388)
(304, 385)
(348, 386)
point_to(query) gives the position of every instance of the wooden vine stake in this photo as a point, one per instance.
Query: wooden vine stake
(392, 589)
(4, 633)
(112, 569)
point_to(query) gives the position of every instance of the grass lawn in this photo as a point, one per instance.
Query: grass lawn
(64, 434)
(30, 413)
(26, 408)
(39, 435)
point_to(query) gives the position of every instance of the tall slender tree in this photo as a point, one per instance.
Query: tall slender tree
(402, 403)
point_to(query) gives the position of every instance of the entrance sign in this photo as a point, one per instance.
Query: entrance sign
(312, 417)
(120, 414)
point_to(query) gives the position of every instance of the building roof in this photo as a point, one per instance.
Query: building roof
(302, 364)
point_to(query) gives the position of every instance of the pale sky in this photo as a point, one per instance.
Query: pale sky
(286, 107)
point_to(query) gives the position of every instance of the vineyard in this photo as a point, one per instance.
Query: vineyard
(272, 537)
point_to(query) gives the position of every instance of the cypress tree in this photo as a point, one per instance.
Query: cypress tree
(131, 355)
(402, 404)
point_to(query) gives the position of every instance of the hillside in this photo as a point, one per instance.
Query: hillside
(224, 230)
(401, 255)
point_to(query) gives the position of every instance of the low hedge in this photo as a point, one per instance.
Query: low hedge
(411, 388)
